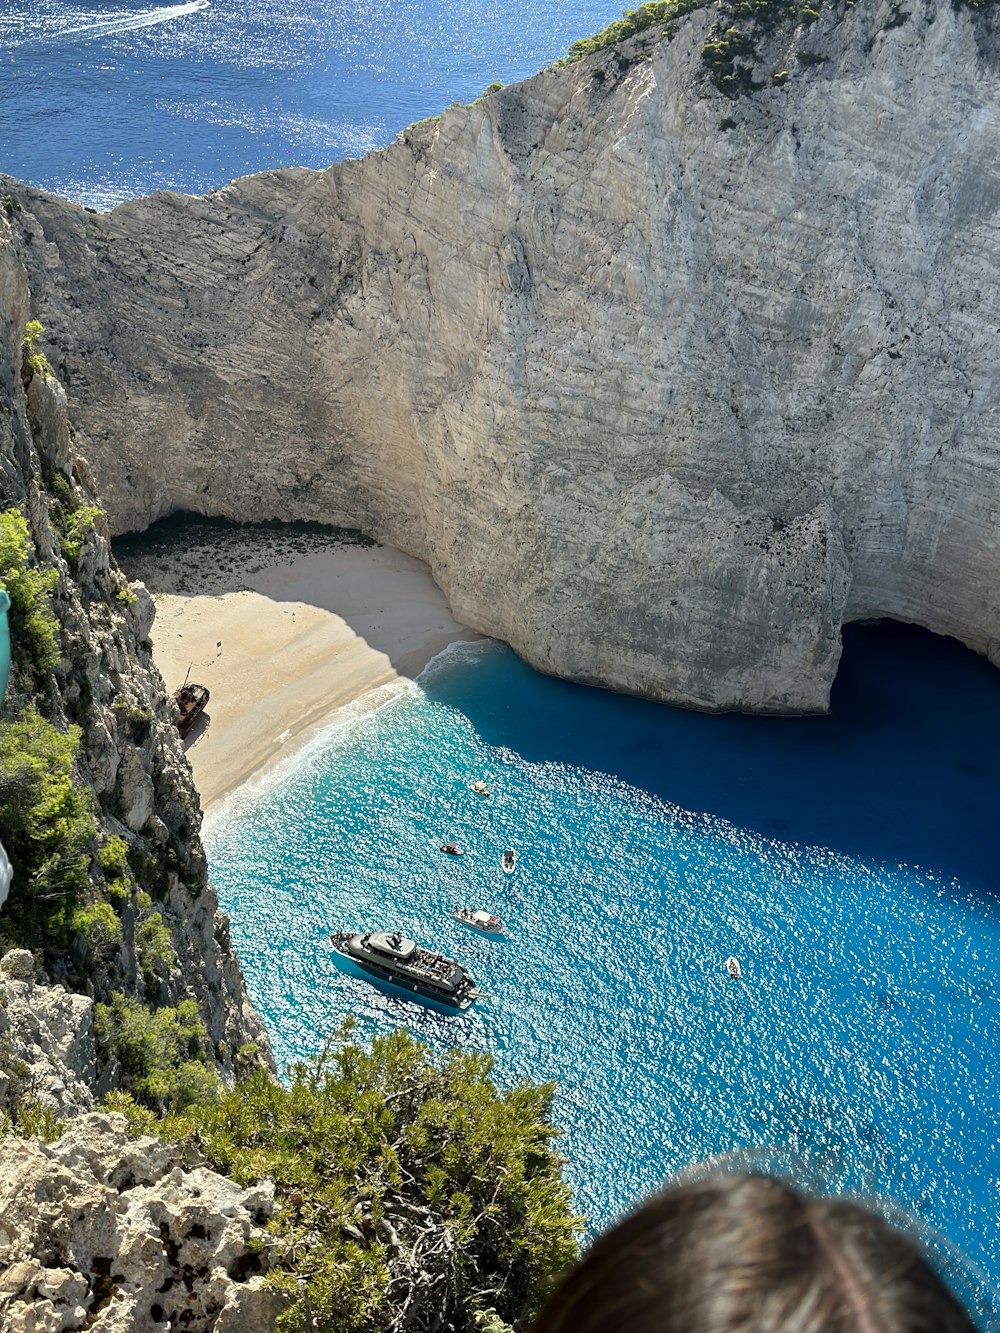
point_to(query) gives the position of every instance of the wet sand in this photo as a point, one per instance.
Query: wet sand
(285, 627)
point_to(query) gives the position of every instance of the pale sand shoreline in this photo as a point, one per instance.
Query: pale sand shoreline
(302, 635)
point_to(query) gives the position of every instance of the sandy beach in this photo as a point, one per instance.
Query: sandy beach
(284, 628)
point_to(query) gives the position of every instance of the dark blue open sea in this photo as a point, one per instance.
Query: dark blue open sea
(102, 100)
(849, 863)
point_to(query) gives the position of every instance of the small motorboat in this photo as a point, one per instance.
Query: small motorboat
(509, 861)
(733, 967)
(480, 788)
(484, 921)
(452, 848)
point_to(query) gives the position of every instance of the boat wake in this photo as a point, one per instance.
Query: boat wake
(83, 26)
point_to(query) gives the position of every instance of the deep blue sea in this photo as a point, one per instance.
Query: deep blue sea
(849, 862)
(102, 100)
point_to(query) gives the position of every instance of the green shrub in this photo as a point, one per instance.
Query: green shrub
(76, 528)
(33, 354)
(141, 1119)
(374, 1151)
(114, 856)
(154, 949)
(161, 1051)
(32, 621)
(32, 1120)
(100, 926)
(632, 21)
(47, 827)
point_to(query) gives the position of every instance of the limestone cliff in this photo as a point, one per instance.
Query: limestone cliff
(665, 385)
(160, 938)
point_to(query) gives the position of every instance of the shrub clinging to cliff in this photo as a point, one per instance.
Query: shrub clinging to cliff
(412, 1190)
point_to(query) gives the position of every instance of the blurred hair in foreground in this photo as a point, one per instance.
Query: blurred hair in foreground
(738, 1253)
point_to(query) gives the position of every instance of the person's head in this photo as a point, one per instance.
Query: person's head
(748, 1254)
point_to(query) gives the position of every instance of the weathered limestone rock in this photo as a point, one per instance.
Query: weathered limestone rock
(103, 1233)
(664, 386)
(47, 1048)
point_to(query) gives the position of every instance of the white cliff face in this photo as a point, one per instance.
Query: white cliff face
(662, 403)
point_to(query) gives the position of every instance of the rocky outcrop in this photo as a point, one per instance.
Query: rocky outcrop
(48, 1054)
(129, 757)
(97, 1232)
(104, 1233)
(665, 386)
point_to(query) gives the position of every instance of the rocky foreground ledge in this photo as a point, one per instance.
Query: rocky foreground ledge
(101, 1232)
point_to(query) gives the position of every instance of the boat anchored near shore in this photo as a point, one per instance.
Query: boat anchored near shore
(390, 956)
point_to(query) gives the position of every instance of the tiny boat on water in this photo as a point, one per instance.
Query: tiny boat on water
(509, 861)
(484, 921)
(480, 788)
(733, 967)
(452, 848)
(390, 956)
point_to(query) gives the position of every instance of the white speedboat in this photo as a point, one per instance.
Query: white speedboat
(733, 968)
(509, 861)
(480, 788)
(484, 921)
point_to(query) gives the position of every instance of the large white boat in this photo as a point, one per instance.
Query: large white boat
(392, 957)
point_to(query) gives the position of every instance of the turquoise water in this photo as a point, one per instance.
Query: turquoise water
(103, 100)
(848, 862)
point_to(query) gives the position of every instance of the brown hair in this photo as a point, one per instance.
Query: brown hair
(748, 1254)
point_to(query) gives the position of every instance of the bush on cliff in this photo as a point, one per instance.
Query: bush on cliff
(32, 620)
(47, 826)
(632, 21)
(413, 1193)
(162, 1054)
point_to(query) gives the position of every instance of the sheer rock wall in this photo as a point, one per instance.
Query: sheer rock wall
(664, 386)
(129, 757)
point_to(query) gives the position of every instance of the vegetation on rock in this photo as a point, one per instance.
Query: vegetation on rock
(652, 14)
(413, 1193)
(34, 357)
(47, 827)
(32, 620)
(162, 1054)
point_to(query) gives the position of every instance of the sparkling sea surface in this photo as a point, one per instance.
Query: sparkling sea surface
(849, 863)
(105, 100)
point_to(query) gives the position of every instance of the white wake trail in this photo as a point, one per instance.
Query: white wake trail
(125, 20)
